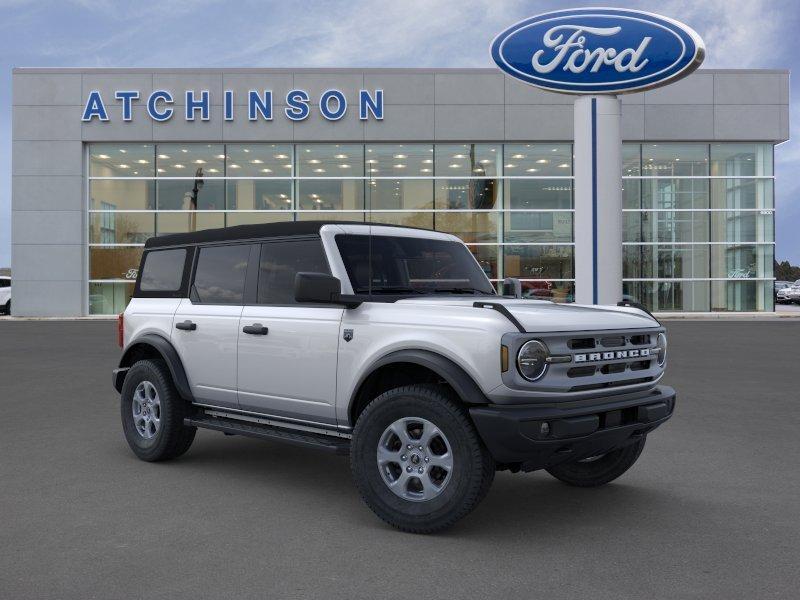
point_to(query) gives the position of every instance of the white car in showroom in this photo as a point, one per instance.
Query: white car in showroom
(5, 295)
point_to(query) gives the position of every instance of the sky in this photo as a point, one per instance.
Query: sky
(356, 33)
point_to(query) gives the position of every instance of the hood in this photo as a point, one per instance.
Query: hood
(543, 316)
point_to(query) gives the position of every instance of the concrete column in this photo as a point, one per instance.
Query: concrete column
(598, 200)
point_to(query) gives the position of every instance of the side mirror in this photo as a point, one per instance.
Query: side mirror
(321, 288)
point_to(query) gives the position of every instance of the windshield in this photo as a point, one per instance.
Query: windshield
(405, 265)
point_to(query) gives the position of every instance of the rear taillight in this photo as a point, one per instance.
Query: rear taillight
(121, 330)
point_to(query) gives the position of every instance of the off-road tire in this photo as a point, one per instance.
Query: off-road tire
(594, 473)
(173, 438)
(473, 466)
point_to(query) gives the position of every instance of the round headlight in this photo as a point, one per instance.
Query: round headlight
(532, 360)
(661, 344)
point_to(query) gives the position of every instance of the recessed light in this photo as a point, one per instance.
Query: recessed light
(319, 170)
(220, 156)
(459, 156)
(340, 156)
(542, 161)
(103, 156)
(287, 166)
(399, 166)
(163, 156)
(234, 166)
(563, 166)
(510, 166)
(266, 170)
(400, 156)
(245, 150)
(199, 161)
(281, 156)
(313, 161)
(123, 150)
(532, 170)
(257, 161)
(179, 166)
(517, 156)
(344, 166)
(454, 166)
(162, 170)
(485, 161)
(213, 170)
(427, 161)
(425, 170)
(184, 150)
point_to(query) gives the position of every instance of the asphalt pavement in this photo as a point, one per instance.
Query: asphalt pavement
(711, 510)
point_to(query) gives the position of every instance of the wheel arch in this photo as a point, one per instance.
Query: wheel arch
(409, 366)
(155, 346)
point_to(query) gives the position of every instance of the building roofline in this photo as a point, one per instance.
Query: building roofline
(310, 70)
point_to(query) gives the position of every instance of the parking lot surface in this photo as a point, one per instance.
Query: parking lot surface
(711, 510)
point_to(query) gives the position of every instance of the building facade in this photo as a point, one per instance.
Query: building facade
(102, 159)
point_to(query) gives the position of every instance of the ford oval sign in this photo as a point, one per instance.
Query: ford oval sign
(598, 50)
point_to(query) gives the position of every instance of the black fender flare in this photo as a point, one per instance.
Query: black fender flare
(167, 351)
(461, 382)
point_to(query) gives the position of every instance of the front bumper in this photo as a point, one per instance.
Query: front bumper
(535, 437)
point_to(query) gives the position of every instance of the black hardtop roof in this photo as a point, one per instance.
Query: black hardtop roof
(250, 232)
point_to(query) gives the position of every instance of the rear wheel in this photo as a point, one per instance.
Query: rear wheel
(417, 460)
(598, 470)
(152, 413)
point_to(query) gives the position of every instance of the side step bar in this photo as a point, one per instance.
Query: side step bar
(269, 432)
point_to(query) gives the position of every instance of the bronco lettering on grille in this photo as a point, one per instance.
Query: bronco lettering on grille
(618, 354)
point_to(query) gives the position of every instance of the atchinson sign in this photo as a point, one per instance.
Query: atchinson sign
(160, 105)
(598, 50)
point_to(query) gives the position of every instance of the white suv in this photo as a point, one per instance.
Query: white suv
(389, 344)
(5, 294)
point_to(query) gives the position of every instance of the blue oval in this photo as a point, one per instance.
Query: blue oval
(598, 50)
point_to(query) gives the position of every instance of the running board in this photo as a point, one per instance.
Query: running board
(269, 432)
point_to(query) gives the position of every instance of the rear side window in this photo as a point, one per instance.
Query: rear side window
(220, 274)
(281, 261)
(163, 270)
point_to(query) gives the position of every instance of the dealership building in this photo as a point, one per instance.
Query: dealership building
(103, 159)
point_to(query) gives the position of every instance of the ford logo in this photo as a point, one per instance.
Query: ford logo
(598, 50)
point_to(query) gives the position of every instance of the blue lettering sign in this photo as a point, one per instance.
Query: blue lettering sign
(257, 104)
(152, 106)
(94, 108)
(297, 105)
(127, 97)
(193, 105)
(366, 105)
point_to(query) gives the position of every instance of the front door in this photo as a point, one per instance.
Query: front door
(287, 351)
(205, 329)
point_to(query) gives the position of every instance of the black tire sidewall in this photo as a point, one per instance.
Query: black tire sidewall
(466, 448)
(160, 446)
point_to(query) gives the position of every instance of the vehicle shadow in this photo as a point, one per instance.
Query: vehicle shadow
(532, 504)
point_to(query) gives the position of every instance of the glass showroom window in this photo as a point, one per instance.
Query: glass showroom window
(698, 219)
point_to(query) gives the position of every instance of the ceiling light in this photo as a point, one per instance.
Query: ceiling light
(257, 161)
(234, 166)
(510, 166)
(399, 166)
(220, 156)
(266, 170)
(459, 156)
(344, 166)
(319, 170)
(485, 161)
(454, 166)
(400, 156)
(161, 170)
(184, 150)
(371, 161)
(245, 150)
(340, 156)
(563, 166)
(103, 156)
(163, 156)
(179, 166)
(532, 170)
(124, 167)
(542, 161)
(427, 161)
(287, 166)
(199, 161)
(425, 170)
(123, 150)
(281, 156)
(213, 170)
(517, 156)
(313, 161)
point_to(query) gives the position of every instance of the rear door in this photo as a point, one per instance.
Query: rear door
(287, 356)
(206, 325)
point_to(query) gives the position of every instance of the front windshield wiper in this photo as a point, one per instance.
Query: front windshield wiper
(473, 291)
(397, 289)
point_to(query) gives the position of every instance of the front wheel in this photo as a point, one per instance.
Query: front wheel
(418, 461)
(598, 470)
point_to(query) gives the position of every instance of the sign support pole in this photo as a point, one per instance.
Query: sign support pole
(598, 200)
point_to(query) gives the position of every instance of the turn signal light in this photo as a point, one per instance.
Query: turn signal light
(504, 358)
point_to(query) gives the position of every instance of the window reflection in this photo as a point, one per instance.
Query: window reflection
(121, 160)
(259, 160)
(330, 194)
(537, 160)
(538, 194)
(538, 262)
(741, 160)
(468, 160)
(674, 160)
(330, 160)
(259, 194)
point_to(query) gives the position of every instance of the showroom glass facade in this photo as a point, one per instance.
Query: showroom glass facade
(698, 217)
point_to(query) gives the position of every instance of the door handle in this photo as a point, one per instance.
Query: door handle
(186, 326)
(255, 329)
